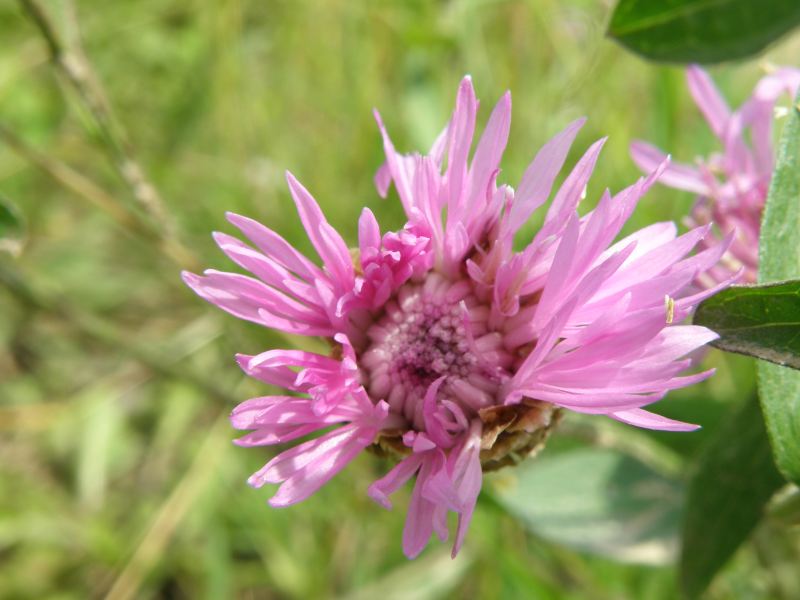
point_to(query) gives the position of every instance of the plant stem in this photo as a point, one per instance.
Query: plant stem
(88, 190)
(75, 67)
(107, 333)
(73, 64)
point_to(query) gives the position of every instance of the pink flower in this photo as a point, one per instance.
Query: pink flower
(731, 186)
(452, 352)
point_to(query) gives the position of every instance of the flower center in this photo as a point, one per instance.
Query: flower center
(435, 331)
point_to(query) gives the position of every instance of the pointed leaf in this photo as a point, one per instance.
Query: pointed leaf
(734, 479)
(599, 501)
(759, 320)
(704, 31)
(779, 387)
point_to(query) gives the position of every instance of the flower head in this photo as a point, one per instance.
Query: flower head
(731, 185)
(451, 351)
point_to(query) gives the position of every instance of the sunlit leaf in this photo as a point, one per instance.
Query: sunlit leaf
(779, 387)
(761, 321)
(599, 501)
(704, 31)
(734, 479)
(432, 576)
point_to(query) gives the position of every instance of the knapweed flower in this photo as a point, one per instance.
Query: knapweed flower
(731, 185)
(450, 351)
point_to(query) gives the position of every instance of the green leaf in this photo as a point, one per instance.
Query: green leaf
(432, 576)
(779, 259)
(761, 321)
(734, 479)
(599, 501)
(705, 31)
(12, 229)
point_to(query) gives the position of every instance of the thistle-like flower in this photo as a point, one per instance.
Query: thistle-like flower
(450, 351)
(732, 185)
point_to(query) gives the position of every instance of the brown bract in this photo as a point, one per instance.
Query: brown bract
(510, 434)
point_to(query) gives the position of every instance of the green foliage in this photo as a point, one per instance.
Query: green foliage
(761, 321)
(600, 501)
(12, 229)
(736, 476)
(779, 387)
(116, 466)
(732, 482)
(703, 31)
(433, 576)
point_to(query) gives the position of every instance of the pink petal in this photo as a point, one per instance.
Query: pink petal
(462, 127)
(394, 479)
(648, 420)
(305, 481)
(278, 434)
(537, 181)
(646, 239)
(468, 478)
(708, 99)
(427, 190)
(547, 339)
(383, 179)
(654, 263)
(288, 463)
(263, 267)
(281, 376)
(433, 426)
(369, 233)
(677, 175)
(254, 301)
(398, 167)
(490, 149)
(679, 340)
(422, 513)
(273, 245)
(327, 242)
(594, 403)
(302, 470)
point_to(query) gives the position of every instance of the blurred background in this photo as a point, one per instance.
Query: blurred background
(117, 474)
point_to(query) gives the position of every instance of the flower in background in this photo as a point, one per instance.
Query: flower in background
(731, 185)
(451, 351)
